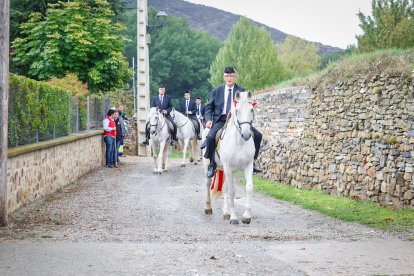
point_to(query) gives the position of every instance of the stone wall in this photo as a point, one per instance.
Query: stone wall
(353, 138)
(36, 170)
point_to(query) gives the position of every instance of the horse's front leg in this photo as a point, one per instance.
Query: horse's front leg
(184, 151)
(248, 175)
(166, 156)
(231, 194)
(160, 155)
(194, 152)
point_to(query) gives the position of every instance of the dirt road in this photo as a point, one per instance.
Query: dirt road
(128, 221)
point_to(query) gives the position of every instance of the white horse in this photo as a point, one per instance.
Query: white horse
(186, 135)
(235, 152)
(159, 138)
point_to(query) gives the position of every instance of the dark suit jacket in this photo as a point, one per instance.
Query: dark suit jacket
(202, 110)
(191, 107)
(215, 105)
(166, 103)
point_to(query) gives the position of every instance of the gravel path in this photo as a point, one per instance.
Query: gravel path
(127, 221)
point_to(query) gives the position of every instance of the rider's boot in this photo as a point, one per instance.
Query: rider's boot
(146, 142)
(256, 169)
(211, 169)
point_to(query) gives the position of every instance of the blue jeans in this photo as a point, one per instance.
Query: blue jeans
(110, 150)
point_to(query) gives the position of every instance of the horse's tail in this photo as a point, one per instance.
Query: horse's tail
(217, 184)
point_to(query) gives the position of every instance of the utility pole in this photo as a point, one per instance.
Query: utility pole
(134, 87)
(143, 93)
(4, 103)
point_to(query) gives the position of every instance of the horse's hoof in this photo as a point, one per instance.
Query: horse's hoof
(182, 165)
(246, 220)
(191, 159)
(234, 221)
(208, 211)
(226, 217)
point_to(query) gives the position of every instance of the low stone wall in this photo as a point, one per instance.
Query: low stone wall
(36, 170)
(353, 138)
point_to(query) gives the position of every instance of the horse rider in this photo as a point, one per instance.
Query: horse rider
(201, 109)
(163, 102)
(217, 111)
(188, 107)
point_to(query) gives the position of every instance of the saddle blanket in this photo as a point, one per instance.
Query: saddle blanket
(217, 182)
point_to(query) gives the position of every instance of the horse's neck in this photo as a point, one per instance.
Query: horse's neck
(180, 118)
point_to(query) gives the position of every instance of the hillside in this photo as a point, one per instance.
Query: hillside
(214, 21)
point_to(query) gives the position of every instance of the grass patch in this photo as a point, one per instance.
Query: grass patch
(367, 213)
(46, 236)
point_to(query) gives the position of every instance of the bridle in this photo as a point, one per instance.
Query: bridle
(239, 124)
(173, 117)
(156, 124)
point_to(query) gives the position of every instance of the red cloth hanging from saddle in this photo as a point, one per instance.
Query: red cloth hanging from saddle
(217, 181)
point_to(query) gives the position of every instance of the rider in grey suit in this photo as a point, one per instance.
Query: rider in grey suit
(217, 110)
(163, 102)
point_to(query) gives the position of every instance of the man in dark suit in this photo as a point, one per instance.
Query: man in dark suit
(188, 108)
(201, 109)
(217, 110)
(163, 102)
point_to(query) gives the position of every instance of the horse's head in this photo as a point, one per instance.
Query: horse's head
(243, 113)
(154, 118)
(172, 113)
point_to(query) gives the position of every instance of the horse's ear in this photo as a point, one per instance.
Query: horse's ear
(237, 95)
(157, 109)
(249, 94)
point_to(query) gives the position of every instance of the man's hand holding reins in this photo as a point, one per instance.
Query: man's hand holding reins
(208, 124)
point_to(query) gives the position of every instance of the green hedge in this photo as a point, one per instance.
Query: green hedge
(37, 111)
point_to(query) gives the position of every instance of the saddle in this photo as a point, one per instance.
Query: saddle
(169, 125)
(195, 124)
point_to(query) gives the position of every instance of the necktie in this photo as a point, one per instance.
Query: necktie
(228, 105)
(161, 99)
(186, 106)
(198, 109)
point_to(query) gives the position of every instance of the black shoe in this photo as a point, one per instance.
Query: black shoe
(146, 142)
(211, 169)
(172, 143)
(256, 169)
(198, 137)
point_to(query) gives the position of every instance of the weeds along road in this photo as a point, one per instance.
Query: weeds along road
(127, 221)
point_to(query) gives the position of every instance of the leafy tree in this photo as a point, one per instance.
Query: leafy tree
(391, 26)
(180, 57)
(251, 51)
(298, 56)
(21, 9)
(74, 38)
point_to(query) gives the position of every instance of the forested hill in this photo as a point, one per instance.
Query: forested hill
(214, 21)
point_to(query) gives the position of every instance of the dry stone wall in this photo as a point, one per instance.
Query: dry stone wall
(37, 170)
(353, 138)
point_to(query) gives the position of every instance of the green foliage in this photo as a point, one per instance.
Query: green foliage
(334, 57)
(74, 37)
(251, 51)
(180, 57)
(298, 56)
(368, 213)
(37, 111)
(21, 9)
(391, 26)
(70, 83)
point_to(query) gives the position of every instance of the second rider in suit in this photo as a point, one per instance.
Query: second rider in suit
(188, 107)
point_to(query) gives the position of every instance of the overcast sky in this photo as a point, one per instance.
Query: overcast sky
(331, 22)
